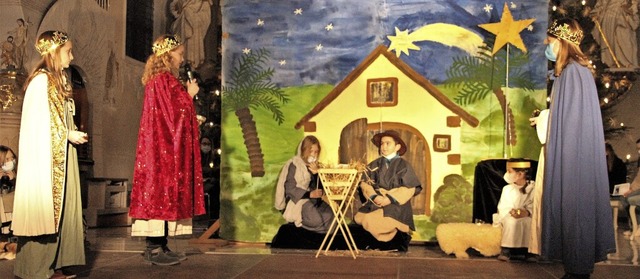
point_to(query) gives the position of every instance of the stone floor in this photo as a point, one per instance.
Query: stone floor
(113, 253)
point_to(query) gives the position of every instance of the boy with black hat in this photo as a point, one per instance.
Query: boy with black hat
(389, 185)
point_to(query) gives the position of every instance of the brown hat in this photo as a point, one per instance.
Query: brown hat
(396, 137)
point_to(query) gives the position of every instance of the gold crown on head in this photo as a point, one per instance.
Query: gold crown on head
(44, 46)
(169, 43)
(564, 32)
(519, 165)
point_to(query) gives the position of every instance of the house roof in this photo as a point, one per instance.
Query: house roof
(404, 68)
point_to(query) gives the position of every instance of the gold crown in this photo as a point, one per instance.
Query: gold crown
(518, 165)
(44, 46)
(564, 32)
(169, 43)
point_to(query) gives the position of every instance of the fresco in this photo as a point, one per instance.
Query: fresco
(284, 60)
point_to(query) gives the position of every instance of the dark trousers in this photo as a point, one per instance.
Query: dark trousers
(158, 241)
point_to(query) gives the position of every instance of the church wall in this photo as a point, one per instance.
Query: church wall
(112, 79)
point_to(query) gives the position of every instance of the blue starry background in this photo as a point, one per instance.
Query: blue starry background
(314, 45)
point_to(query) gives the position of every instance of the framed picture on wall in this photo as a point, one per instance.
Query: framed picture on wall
(441, 143)
(382, 92)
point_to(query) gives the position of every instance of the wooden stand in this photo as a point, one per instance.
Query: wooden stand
(205, 237)
(339, 186)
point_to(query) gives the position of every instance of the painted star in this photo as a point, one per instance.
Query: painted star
(319, 47)
(401, 43)
(329, 27)
(297, 11)
(283, 62)
(507, 30)
(246, 50)
(513, 5)
(530, 27)
(487, 8)
(260, 22)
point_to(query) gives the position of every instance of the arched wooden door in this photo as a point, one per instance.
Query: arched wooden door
(353, 142)
(81, 117)
(356, 145)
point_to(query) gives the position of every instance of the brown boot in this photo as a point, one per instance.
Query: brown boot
(58, 275)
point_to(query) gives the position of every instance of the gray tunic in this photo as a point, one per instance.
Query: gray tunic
(390, 175)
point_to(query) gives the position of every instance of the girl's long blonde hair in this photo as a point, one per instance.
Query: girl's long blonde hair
(50, 62)
(157, 64)
(306, 145)
(569, 51)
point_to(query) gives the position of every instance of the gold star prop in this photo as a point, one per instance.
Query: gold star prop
(507, 30)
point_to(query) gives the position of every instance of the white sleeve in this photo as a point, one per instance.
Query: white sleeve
(542, 125)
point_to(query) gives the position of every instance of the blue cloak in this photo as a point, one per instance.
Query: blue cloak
(577, 225)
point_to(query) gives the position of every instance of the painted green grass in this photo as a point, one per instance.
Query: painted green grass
(486, 140)
(247, 203)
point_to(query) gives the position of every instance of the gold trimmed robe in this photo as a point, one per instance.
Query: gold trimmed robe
(43, 153)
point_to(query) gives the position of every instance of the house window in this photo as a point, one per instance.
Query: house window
(382, 92)
(441, 143)
(139, 29)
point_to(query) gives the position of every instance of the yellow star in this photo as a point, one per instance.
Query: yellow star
(402, 42)
(507, 30)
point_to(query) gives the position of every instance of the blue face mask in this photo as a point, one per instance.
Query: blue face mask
(549, 53)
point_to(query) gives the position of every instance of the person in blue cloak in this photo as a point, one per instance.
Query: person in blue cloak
(577, 226)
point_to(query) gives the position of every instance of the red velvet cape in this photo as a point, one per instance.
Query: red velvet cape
(167, 176)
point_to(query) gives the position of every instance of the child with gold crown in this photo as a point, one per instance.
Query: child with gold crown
(514, 210)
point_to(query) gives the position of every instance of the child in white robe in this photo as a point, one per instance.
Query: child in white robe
(514, 211)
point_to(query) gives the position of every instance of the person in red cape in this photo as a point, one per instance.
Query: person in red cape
(167, 180)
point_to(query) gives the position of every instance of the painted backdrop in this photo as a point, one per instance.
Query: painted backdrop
(436, 70)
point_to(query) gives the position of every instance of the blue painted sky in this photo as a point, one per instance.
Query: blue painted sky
(322, 41)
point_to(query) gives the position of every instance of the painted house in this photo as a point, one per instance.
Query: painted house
(384, 93)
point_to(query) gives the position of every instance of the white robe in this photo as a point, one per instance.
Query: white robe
(33, 209)
(292, 210)
(536, 214)
(516, 233)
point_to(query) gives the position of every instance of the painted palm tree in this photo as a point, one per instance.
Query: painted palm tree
(250, 87)
(479, 76)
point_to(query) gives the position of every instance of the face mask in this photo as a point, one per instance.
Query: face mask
(509, 178)
(549, 53)
(9, 166)
(311, 159)
(205, 148)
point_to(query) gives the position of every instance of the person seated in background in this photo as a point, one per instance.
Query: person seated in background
(299, 193)
(616, 168)
(514, 211)
(388, 184)
(632, 197)
(209, 179)
(8, 160)
(8, 172)
(206, 155)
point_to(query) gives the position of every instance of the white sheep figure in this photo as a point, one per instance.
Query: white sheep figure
(456, 238)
